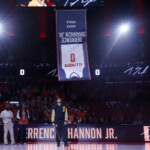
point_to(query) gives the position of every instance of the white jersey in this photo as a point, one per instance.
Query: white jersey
(6, 116)
(73, 60)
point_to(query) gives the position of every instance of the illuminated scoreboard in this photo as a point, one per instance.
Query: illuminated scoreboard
(60, 3)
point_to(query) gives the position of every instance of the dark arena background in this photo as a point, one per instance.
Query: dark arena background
(109, 109)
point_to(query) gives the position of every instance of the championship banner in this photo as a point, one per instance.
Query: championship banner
(72, 55)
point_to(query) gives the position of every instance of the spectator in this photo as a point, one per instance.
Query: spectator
(7, 117)
(23, 116)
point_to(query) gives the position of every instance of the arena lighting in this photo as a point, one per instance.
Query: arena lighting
(124, 28)
(1, 27)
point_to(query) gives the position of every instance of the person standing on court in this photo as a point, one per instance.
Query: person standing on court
(7, 117)
(23, 117)
(59, 121)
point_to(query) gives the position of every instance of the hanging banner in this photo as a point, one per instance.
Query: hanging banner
(72, 56)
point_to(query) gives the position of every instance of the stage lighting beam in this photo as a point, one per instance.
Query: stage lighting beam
(1, 28)
(124, 28)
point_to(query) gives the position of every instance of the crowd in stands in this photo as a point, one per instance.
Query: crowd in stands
(87, 101)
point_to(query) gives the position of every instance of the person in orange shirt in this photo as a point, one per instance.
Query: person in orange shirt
(71, 118)
(23, 117)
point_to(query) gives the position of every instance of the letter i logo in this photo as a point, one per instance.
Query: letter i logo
(72, 57)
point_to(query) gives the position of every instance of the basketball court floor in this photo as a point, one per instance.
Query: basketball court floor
(78, 146)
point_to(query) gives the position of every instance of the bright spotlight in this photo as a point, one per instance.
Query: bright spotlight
(0, 28)
(124, 28)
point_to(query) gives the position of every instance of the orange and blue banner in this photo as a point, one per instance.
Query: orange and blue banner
(72, 55)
